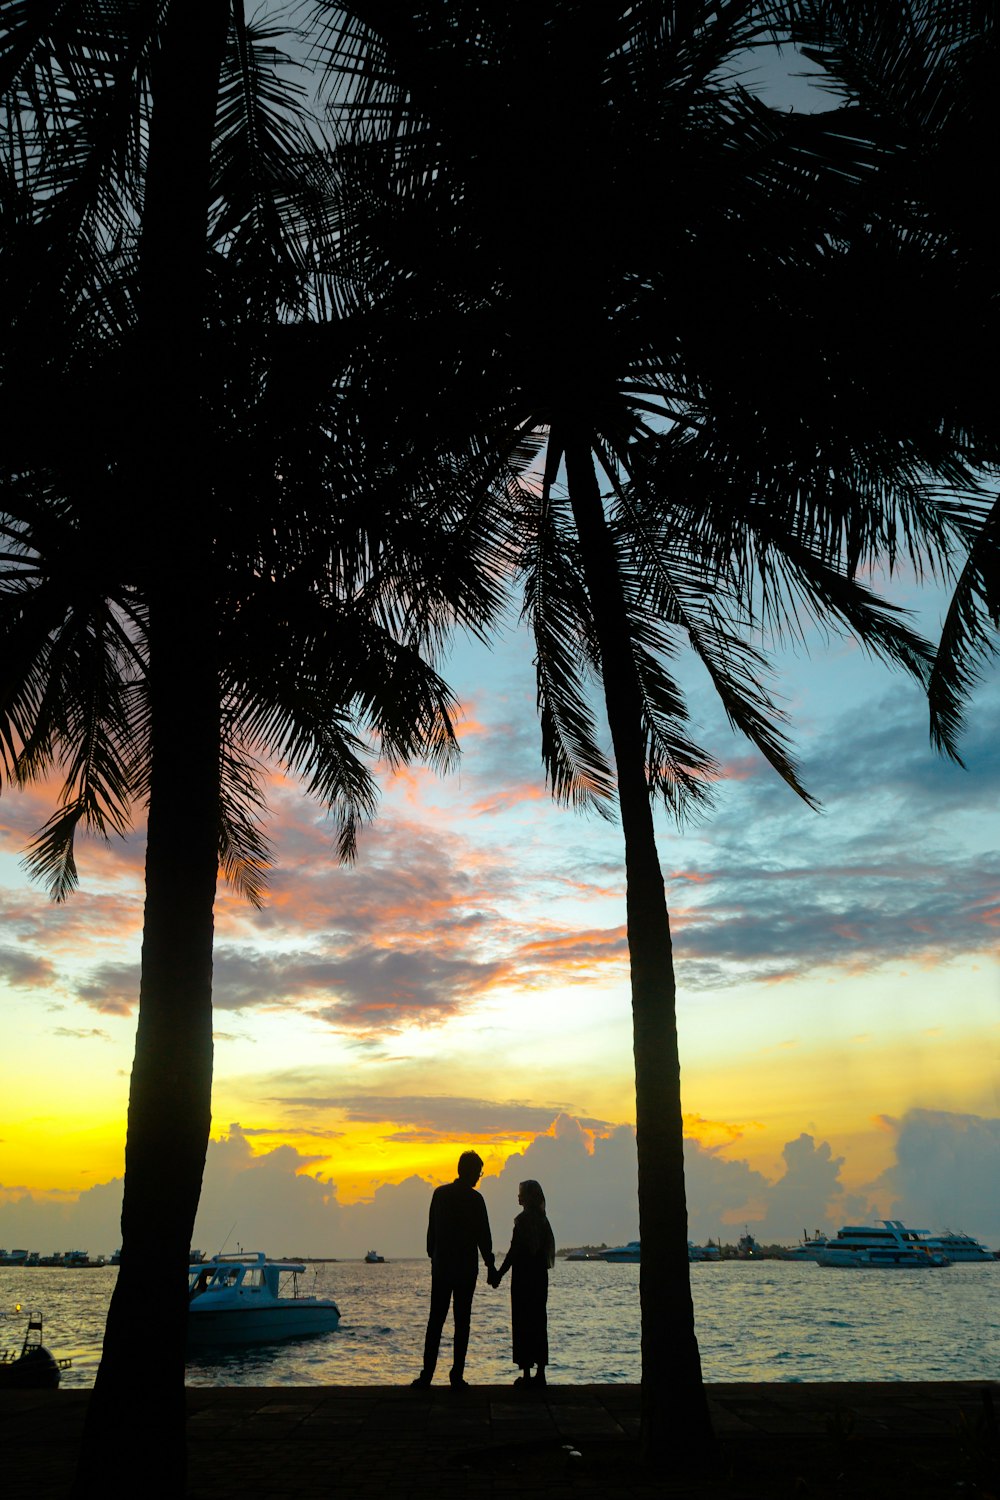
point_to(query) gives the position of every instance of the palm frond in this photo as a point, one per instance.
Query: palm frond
(968, 637)
(245, 854)
(557, 609)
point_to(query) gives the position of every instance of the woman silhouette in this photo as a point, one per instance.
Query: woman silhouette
(532, 1252)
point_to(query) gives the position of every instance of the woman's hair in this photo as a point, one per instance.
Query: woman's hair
(537, 1229)
(531, 1192)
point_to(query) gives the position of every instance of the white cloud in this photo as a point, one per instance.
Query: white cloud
(945, 1174)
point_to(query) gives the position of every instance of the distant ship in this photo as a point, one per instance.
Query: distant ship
(808, 1247)
(866, 1246)
(959, 1246)
(623, 1254)
(631, 1254)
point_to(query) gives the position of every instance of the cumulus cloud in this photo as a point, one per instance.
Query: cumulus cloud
(809, 1195)
(946, 1172)
(590, 1182)
(281, 1201)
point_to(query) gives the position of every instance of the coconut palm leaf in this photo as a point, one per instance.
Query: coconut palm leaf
(968, 637)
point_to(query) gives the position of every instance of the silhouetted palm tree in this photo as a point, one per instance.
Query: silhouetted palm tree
(919, 76)
(233, 603)
(587, 212)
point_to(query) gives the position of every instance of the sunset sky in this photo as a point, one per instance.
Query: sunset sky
(465, 983)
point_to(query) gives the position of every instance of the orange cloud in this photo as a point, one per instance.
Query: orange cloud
(511, 796)
(717, 1135)
(597, 940)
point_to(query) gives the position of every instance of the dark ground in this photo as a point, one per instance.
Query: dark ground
(775, 1442)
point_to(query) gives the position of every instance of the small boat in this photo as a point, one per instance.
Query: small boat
(893, 1246)
(33, 1368)
(623, 1254)
(235, 1299)
(707, 1252)
(374, 1259)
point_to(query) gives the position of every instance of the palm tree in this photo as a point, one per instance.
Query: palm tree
(253, 611)
(919, 76)
(586, 211)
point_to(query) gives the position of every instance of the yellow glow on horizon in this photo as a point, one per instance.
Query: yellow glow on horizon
(826, 1086)
(366, 1157)
(760, 1066)
(57, 1153)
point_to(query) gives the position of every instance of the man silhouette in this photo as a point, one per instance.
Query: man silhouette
(458, 1232)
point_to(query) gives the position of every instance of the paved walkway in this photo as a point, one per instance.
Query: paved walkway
(776, 1442)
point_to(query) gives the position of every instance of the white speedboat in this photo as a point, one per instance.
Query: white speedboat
(959, 1246)
(623, 1254)
(892, 1246)
(235, 1299)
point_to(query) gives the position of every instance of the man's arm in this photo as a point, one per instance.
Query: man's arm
(432, 1225)
(484, 1237)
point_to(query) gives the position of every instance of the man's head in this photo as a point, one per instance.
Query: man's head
(470, 1167)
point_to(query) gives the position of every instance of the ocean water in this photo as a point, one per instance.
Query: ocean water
(764, 1320)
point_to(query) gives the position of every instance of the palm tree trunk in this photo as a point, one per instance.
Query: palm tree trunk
(134, 1439)
(675, 1417)
(137, 1412)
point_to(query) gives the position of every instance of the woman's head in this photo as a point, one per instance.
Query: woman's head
(530, 1194)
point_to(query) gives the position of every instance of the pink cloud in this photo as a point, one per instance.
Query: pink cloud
(511, 796)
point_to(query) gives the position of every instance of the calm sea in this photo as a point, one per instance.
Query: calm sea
(767, 1320)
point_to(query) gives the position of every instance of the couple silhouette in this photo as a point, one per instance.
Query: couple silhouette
(458, 1233)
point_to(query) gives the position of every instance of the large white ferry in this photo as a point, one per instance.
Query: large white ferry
(959, 1246)
(892, 1246)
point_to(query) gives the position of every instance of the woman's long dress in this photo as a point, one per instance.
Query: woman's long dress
(529, 1295)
